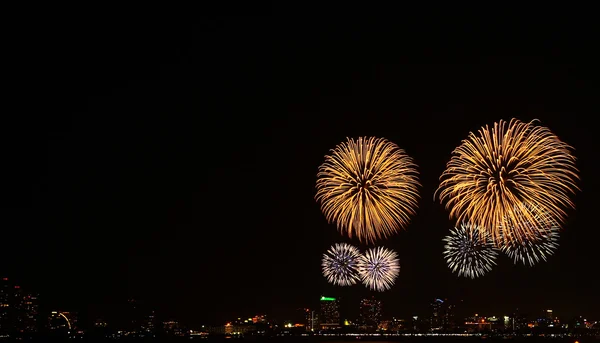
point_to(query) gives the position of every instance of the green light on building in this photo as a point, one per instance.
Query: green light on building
(327, 299)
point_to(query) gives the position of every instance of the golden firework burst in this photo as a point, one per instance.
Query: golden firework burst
(368, 187)
(496, 176)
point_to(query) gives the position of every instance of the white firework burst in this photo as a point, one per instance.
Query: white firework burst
(537, 246)
(469, 251)
(378, 268)
(340, 264)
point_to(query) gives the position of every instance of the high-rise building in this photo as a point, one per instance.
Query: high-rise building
(140, 321)
(442, 316)
(519, 320)
(436, 314)
(370, 313)
(149, 324)
(448, 322)
(306, 317)
(546, 319)
(5, 308)
(30, 313)
(330, 313)
(134, 317)
(18, 310)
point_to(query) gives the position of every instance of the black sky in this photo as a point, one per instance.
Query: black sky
(174, 161)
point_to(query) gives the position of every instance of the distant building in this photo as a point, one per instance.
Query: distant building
(18, 311)
(140, 321)
(419, 324)
(442, 316)
(5, 300)
(148, 326)
(30, 313)
(394, 325)
(259, 319)
(172, 328)
(370, 314)
(100, 323)
(477, 323)
(330, 313)
(496, 323)
(100, 329)
(437, 308)
(306, 317)
(134, 317)
(240, 328)
(548, 319)
(216, 330)
(519, 320)
(314, 320)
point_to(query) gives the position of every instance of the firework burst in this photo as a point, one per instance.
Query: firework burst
(368, 187)
(537, 248)
(378, 268)
(469, 251)
(339, 264)
(513, 163)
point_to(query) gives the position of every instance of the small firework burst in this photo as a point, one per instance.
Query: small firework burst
(340, 264)
(378, 268)
(469, 251)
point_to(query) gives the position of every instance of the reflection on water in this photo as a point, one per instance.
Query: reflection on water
(297, 339)
(405, 339)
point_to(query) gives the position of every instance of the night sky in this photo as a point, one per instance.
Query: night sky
(175, 161)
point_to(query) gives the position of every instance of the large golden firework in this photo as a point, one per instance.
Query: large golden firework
(368, 187)
(494, 175)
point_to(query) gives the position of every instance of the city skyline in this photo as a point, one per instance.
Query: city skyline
(20, 311)
(176, 163)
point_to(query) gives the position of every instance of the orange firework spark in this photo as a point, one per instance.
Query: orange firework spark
(369, 187)
(497, 176)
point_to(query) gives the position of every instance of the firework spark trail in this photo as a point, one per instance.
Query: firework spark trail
(368, 187)
(378, 268)
(469, 251)
(512, 164)
(340, 264)
(534, 249)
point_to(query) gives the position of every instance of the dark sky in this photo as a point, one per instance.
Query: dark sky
(174, 160)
